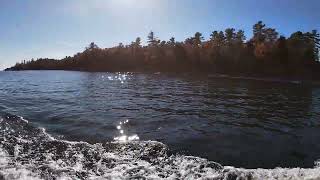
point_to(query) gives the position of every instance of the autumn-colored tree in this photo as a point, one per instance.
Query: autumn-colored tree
(227, 51)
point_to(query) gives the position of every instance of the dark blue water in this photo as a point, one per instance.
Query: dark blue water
(238, 123)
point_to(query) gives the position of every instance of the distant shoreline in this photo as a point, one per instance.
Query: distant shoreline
(266, 56)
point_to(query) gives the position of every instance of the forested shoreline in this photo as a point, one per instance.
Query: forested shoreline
(266, 53)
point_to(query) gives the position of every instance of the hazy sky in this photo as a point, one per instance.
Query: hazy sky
(57, 28)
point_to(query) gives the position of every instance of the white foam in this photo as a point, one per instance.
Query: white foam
(23, 119)
(7, 171)
(125, 159)
(317, 163)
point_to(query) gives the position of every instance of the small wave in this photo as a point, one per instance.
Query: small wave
(27, 152)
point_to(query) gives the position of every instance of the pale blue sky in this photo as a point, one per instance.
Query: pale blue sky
(57, 28)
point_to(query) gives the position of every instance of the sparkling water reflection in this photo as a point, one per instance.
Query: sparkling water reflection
(120, 77)
(123, 136)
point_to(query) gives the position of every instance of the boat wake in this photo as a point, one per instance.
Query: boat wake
(28, 152)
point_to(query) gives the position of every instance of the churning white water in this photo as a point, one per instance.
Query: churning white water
(27, 152)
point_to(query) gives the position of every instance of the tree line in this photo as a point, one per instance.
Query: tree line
(228, 52)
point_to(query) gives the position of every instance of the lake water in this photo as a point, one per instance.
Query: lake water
(155, 126)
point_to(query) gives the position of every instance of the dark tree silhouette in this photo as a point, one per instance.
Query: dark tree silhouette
(172, 42)
(152, 40)
(197, 39)
(265, 54)
(258, 35)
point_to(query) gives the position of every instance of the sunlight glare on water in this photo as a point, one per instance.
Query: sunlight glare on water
(123, 136)
(121, 77)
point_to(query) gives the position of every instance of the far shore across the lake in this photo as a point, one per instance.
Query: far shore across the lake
(266, 54)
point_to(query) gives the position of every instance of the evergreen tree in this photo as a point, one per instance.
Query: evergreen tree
(258, 32)
(230, 36)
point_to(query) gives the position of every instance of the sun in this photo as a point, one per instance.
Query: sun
(124, 3)
(134, 3)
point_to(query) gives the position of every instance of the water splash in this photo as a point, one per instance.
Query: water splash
(27, 152)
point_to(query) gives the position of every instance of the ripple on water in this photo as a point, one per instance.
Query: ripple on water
(195, 115)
